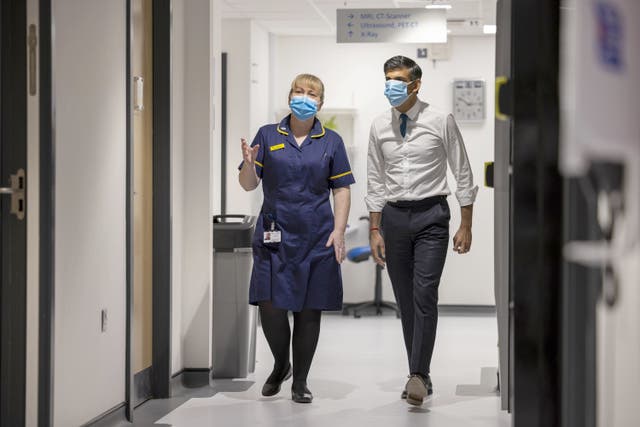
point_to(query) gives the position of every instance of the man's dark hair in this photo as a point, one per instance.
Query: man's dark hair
(403, 62)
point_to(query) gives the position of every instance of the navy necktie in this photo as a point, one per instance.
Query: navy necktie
(403, 124)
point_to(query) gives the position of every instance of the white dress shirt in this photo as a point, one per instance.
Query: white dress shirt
(415, 167)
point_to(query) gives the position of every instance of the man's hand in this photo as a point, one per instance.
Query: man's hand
(377, 247)
(462, 240)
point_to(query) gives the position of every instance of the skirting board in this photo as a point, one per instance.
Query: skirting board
(466, 309)
(113, 417)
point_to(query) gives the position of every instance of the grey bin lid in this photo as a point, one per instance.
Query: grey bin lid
(233, 231)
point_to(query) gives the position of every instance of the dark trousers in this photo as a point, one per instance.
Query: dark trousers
(416, 238)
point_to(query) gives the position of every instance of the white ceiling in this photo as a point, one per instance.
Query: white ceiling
(318, 17)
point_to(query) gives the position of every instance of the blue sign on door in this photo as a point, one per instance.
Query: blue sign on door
(610, 33)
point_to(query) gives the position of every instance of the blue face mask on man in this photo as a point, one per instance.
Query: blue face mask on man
(396, 92)
(303, 107)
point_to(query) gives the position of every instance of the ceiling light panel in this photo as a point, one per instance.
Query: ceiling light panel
(357, 4)
(282, 7)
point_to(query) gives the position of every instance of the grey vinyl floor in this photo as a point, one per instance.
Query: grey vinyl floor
(358, 373)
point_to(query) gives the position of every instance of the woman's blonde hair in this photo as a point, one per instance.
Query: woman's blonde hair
(308, 80)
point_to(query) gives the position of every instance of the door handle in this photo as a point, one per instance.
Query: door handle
(17, 192)
(138, 93)
(504, 98)
(33, 43)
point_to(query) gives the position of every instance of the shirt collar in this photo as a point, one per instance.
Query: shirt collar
(317, 130)
(413, 111)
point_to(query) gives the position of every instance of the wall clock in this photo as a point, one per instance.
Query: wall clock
(468, 100)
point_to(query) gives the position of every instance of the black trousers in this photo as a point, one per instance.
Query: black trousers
(416, 238)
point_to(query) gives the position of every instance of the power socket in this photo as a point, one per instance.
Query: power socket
(103, 320)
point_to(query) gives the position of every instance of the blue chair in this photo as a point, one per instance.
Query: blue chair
(360, 254)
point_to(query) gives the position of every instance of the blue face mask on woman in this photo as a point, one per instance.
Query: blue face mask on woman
(303, 107)
(396, 92)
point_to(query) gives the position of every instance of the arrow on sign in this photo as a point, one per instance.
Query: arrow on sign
(350, 16)
(350, 24)
(350, 33)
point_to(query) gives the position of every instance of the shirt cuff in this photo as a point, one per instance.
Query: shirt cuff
(467, 196)
(374, 203)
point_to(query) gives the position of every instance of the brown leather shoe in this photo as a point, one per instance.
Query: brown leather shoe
(417, 389)
(429, 388)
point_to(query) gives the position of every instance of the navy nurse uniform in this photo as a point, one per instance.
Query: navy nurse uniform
(299, 272)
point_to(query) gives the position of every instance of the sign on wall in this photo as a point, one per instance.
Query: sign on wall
(600, 95)
(418, 25)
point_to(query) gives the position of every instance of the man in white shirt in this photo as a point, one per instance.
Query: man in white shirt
(410, 146)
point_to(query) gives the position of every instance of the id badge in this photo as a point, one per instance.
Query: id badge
(272, 236)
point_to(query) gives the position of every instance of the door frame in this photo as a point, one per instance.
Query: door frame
(536, 220)
(47, 218)
(580, 292)
(129, 379)
(162, 200)
(13, 287)
(161, 206)
(223, 132)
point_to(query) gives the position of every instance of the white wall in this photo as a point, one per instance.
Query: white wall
(89, 63)
(197, 226)
(195, 182)
(236, 43)
(260, 80)
(216, 54)
(354, 78)
(247, 45)
(177, 181)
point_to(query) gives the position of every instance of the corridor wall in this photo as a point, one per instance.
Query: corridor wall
(90, 194)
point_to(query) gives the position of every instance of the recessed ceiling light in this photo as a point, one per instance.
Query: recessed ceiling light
(489, 29)
(438, 5)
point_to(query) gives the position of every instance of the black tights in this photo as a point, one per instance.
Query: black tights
(306, 330)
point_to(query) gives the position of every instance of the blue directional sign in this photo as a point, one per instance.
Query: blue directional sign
(399, 25)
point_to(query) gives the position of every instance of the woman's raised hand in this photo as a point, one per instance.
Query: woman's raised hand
(249, 154)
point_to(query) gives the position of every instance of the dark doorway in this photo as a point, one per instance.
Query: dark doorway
(13, 231)
(536, 215)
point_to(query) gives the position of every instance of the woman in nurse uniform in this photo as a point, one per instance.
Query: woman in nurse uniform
(299, 242)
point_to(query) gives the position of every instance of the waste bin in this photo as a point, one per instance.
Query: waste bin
(234, 320)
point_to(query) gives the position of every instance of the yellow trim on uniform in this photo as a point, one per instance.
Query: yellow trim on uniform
(276, 147)
(258, 163)
(282, 131)
(340, 176)
(320, 134)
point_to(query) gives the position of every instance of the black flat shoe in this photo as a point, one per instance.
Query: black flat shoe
(272, 388)
(301, 394)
